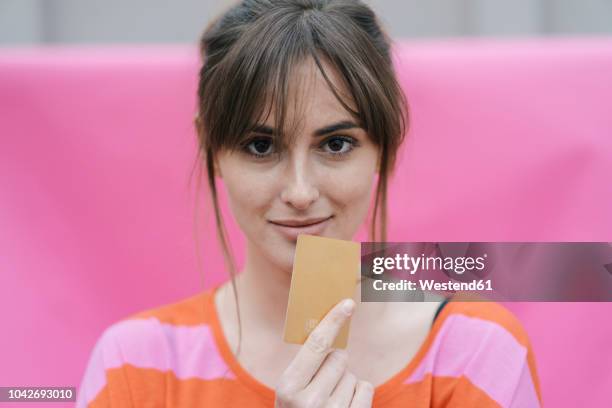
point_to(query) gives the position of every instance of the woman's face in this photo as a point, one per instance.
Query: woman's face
(326, 174)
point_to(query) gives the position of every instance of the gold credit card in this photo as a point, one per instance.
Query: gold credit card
(325, 271)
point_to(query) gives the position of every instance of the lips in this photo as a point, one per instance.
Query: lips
(299, 223)
(292, 228)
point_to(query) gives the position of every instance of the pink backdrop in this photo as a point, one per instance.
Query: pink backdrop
(510, 141)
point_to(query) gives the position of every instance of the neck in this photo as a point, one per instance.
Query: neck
(264, 289)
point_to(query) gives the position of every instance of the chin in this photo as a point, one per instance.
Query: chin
(282, 255)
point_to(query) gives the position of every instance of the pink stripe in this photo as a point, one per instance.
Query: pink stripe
(484, 352)
(188, 351)
(94, 378)
(525, 395)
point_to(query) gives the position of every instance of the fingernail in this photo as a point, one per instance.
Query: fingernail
(348, 306)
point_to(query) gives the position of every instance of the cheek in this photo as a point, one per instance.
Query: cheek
(351, 198)
(352, 183)
(350, 187)
(249, 193)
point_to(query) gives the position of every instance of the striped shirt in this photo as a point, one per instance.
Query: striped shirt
(477, 354)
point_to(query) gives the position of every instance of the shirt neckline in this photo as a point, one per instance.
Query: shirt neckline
(382, 392)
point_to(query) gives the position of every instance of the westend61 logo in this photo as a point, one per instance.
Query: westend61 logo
(411, 264)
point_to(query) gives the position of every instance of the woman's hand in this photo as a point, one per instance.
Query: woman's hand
(317, 376)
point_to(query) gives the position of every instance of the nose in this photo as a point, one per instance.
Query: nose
(300, 189)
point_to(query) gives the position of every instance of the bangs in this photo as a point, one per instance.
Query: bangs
(253, 78)
(285, 88)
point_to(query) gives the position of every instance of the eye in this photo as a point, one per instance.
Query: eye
(259, 147)
(340, 145)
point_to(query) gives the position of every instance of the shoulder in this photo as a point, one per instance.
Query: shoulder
(159, 330)
(486, 343)
(486, 317)
(145, 331)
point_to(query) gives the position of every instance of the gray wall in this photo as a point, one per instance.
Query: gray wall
(164, 21)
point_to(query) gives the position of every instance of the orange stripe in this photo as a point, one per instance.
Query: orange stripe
(151, 387)
(437, 392)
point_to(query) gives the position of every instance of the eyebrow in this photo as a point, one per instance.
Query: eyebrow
(343, 125)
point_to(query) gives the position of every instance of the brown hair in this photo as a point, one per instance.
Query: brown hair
(248, 53)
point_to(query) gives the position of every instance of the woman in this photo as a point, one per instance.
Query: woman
(299, 112)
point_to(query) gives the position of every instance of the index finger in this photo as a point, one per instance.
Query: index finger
(318, 344)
